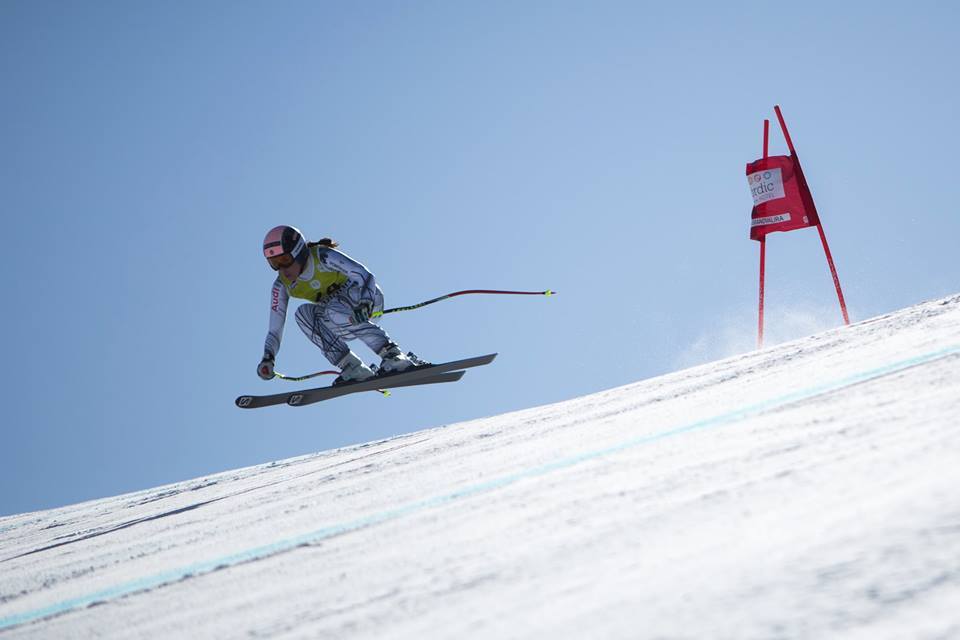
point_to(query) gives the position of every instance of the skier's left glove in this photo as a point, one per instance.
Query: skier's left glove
(362, 312)
(265, 368)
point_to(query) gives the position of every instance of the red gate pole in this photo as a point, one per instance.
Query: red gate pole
(766, 138)
(763, 245)
(763, 252)
(823, 236)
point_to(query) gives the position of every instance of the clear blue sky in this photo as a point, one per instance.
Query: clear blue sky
(596, 148)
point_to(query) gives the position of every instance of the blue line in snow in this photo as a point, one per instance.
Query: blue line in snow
(256, 553)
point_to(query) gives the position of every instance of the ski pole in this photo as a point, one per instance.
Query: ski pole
(314, 375)
(306, 377)
(377, 314)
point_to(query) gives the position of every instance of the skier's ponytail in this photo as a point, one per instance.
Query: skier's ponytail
(324, 242)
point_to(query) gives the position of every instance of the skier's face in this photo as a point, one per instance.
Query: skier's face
(282, 261)
(286, 265)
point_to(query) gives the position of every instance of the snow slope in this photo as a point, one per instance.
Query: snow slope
(810, 490)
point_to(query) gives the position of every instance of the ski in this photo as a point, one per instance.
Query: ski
(420, 375)
(255, 402)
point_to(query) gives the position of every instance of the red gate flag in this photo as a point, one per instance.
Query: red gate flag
(781, 198)
(782, 202)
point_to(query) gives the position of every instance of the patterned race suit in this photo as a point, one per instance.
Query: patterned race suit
(335, 284)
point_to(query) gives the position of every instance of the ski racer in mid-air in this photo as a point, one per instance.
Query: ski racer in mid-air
(343, 296)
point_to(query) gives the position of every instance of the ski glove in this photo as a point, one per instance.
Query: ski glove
(361, 312)
(265, 368)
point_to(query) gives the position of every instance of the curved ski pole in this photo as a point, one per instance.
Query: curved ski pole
(547, 293)
(281, 376)
(306, 377)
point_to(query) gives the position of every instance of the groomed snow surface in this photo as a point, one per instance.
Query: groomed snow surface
(810, 490)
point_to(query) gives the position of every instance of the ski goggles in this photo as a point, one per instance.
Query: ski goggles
(281, 261)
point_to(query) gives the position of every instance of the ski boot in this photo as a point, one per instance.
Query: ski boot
(393, 360)
(352, 369)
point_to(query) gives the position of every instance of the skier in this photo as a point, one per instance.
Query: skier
(342, 294)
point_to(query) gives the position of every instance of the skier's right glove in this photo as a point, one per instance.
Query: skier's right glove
(265, 368)
(362, 312)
